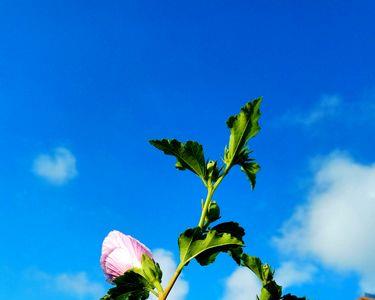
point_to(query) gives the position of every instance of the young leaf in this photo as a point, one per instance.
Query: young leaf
(243, 127)
(189, 155)
(194, 242)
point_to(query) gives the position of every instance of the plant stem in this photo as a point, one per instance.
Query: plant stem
(171, 283)
(210, 192)
(158, 287)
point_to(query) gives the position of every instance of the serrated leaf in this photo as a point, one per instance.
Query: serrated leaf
(250, 168)
(194, 242)
(271, 291)
(130, 286)
(236, 254)
(243, 127)
(132, 296)
(209, 256)
(189, 155)
(232, 228)
(254, 264)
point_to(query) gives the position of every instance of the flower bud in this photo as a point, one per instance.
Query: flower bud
(212, 170)
(210, 165)
(213, 212)
(121, 253)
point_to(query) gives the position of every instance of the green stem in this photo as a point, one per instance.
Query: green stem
(210, 192)
(171, 283)
(158, 287)
(206, 205)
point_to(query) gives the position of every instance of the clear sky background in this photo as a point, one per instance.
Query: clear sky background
(85, 84)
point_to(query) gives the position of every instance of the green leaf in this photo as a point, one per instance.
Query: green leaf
(137, 283)
(232, 228)
(185, 241)
(151, 271)
(236, 254)
(132, 296)
(254, 264)
(194, 242)
(292, 297)
(271, 291)
(130, 286)
(249, 167)
(189, 155)
(266, 295)
(243, 127)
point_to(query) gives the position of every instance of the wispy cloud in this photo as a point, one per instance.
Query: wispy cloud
(333, 108)
(77, 285)
(57, 167)
(168, 265)
(336, 225)
(242, 284)
(291, 273)
(327, 107)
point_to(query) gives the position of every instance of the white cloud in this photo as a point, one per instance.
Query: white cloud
(336, 225)
(292, 274)
(76, 285)
(327, 107)
(58, 167)
(168, 265)
(242, 284)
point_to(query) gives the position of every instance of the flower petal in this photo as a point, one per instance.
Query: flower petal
(120, 253)
(118, 262)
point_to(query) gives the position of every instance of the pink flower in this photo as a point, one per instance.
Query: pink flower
(121, 253)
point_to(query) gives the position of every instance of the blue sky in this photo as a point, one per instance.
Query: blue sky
(85, 84)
